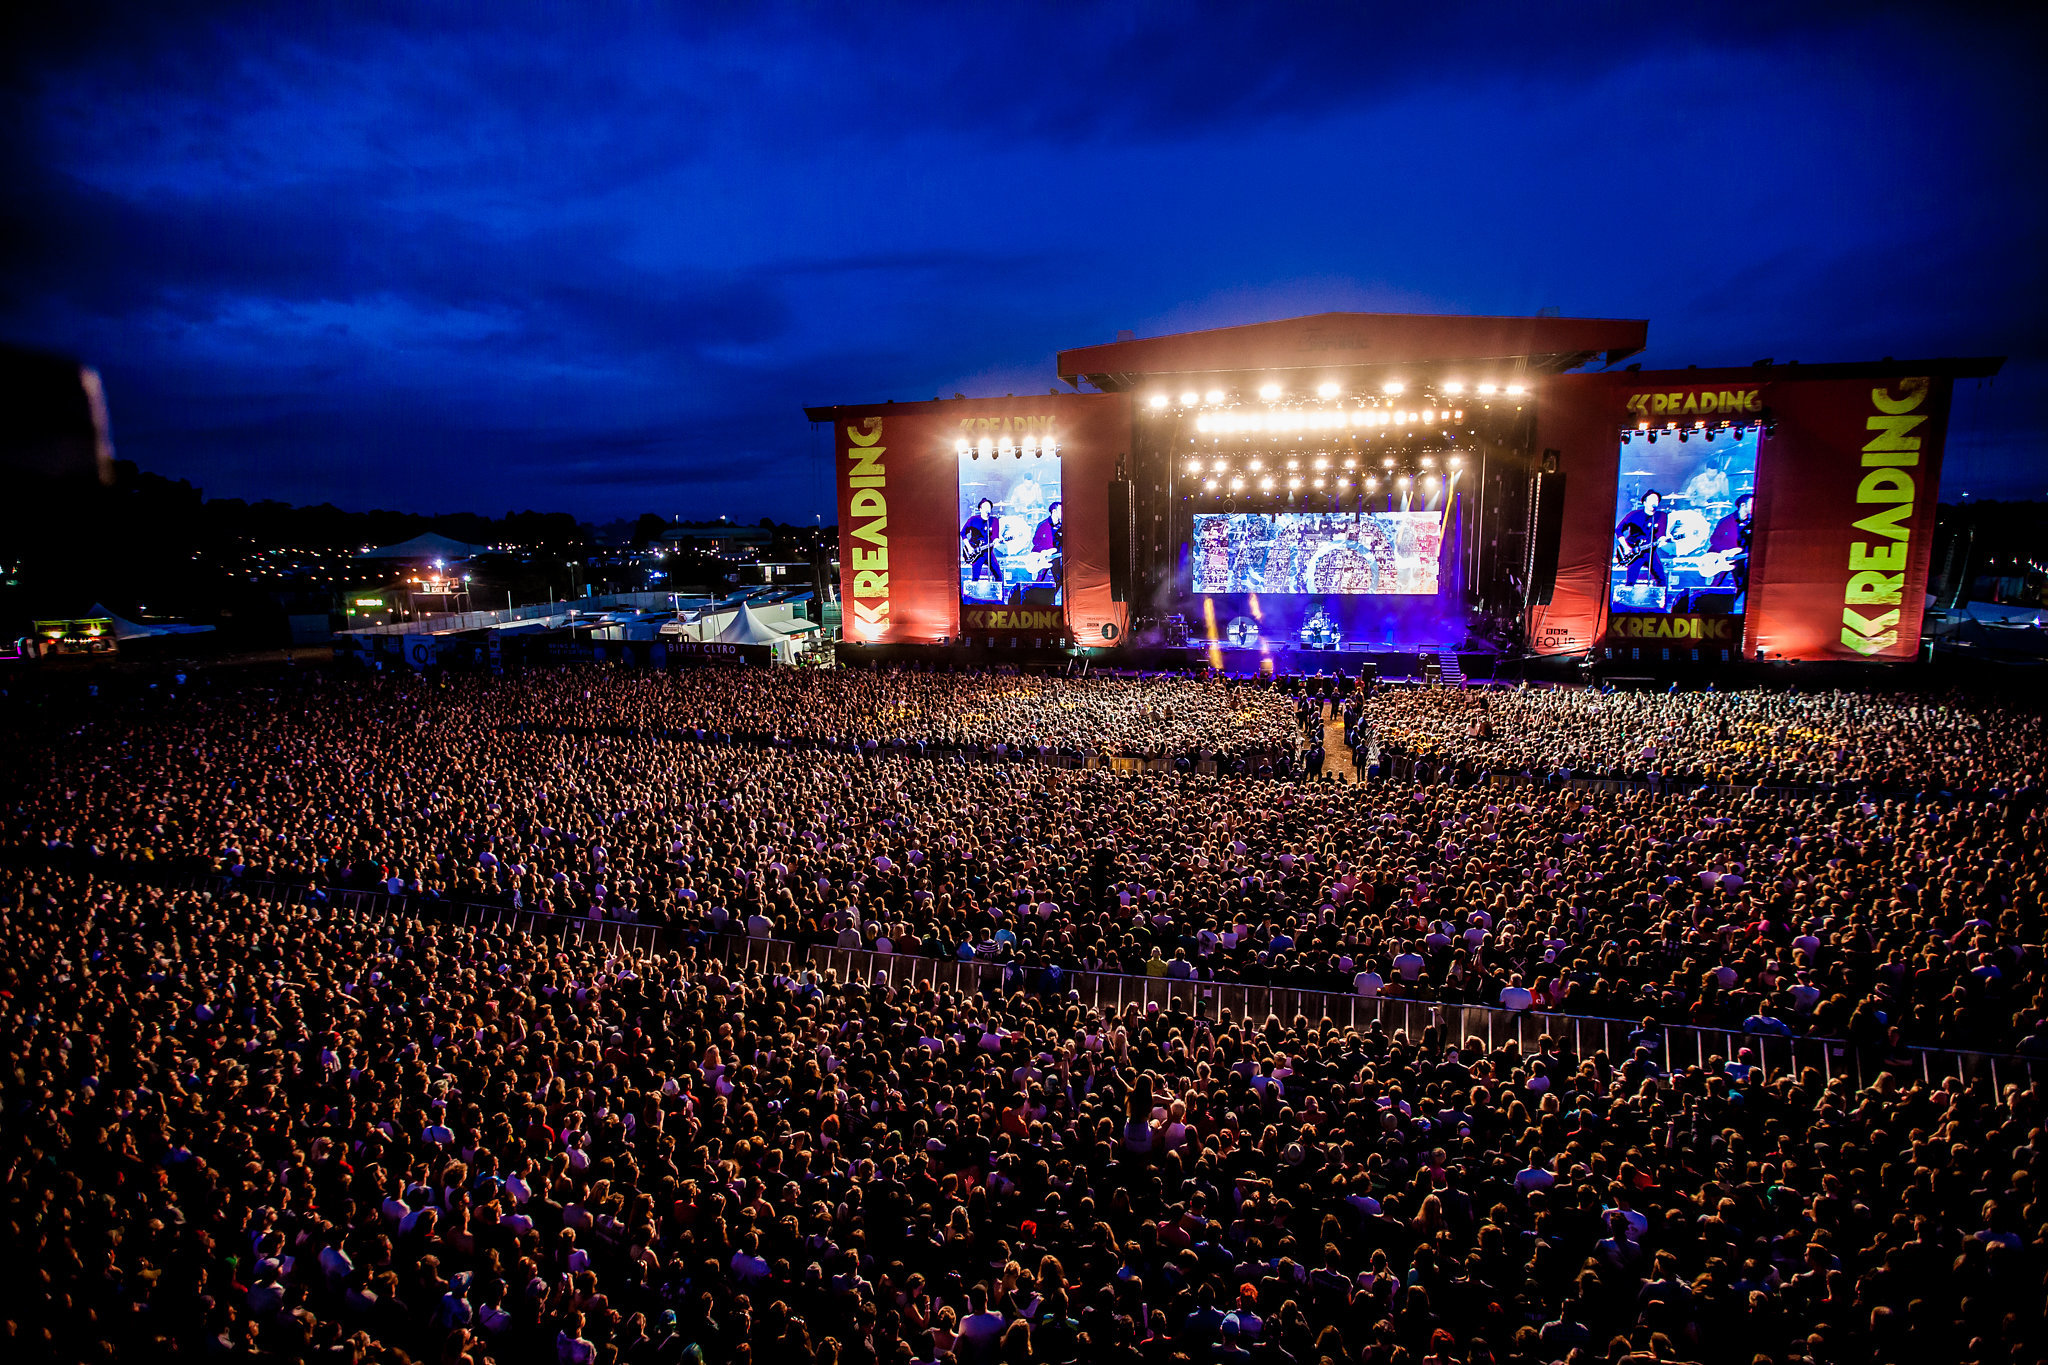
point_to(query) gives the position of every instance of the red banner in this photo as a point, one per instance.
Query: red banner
(898, 575)
(1847, 477)
(900, 521)
(1846, 492)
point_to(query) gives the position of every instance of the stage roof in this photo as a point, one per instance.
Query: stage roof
(1348, 343)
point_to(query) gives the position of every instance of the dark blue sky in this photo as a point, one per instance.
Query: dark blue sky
(596, 257)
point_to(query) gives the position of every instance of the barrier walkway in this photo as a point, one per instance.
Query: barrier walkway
(1673, 1046)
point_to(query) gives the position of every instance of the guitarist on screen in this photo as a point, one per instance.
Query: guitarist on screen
(1637, 537)
(978, 541)
(1048, 546)
(1730, 542)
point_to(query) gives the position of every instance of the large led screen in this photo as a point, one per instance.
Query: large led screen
(1682, 523)
(1012, 531)
(1317, 552)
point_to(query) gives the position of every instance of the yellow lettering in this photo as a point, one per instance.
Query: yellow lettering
(868, 502)
(1862, 556)
(869, 583)
(1885, 485)
(864, 558)
(1914, 393)
(1888, 522)
(1692, 403)
(854, 437)
(1873, 589)
(873, 531)
(866, 464)
(1870, 625)
(1891, 436)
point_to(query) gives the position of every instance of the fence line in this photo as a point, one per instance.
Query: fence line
(1676, 1046)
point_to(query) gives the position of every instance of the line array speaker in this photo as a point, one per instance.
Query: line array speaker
(1546, 525)
(1123, 539)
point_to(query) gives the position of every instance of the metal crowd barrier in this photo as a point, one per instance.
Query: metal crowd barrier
(1680, 1045)
(1116, 994)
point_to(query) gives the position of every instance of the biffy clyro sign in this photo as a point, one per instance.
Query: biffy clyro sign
(719, 652)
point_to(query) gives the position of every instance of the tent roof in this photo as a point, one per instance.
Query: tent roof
(133, 630)
(748, 629)
(432, 545)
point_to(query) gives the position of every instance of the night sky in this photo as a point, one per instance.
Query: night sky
(596, 258)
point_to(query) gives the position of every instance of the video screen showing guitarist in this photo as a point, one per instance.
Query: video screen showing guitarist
(1682, 527)
(1012, 532)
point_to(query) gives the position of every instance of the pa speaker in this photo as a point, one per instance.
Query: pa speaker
(1546, 525)
(1123, 536)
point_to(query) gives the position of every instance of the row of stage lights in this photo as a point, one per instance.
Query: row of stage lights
(997, 447)
(1220, 476)
(1699, 428)
(1224, 422)
(1393, 388)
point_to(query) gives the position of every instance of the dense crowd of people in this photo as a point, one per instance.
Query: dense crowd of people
(609, 794)
(1835, 738)
(244, 1129)
(1001, 713)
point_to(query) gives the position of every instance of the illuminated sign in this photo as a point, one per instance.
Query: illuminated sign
(1877, 566)
(1688, 628)
(1681, 403)
(869, 511)
(1013, 619)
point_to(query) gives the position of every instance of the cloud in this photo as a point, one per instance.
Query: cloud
(365, 252)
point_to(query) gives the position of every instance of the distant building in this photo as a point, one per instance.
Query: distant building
(779, 575)
(722, 539)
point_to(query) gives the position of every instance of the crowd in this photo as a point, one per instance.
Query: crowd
(242, 1129)
(1121, 716)
(1840, 739)
(625, 796)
